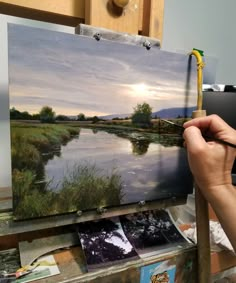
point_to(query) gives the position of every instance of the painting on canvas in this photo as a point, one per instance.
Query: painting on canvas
(86, 122)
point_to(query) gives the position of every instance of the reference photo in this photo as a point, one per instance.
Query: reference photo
(152, 230)
(104, 243)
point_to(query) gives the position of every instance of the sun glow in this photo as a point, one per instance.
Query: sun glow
(140, 89)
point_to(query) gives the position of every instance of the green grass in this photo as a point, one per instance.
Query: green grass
(87, 186)
(29, 201)
(84, 188)
(29, 141)
(42, 136)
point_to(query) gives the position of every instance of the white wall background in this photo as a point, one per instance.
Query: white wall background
(209, 25)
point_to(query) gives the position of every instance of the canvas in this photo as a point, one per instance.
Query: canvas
(86, 128)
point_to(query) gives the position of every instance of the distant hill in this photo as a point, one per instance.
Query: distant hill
(174, 112)
(163, 113)
(112, 116)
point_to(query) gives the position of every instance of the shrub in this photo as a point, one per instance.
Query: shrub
(88, 187)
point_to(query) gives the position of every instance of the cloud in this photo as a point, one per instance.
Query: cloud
(76, 74)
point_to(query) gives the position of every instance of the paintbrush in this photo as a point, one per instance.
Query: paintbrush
(204, 136)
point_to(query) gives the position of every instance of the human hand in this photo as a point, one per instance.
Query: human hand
(210, 162)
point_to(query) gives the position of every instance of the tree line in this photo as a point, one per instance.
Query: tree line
(47, 115)
(142, 115)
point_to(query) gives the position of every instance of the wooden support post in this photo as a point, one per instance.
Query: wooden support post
(202, 222)
(152, 24)
(203, 243)
(202, 214)
(104, 14)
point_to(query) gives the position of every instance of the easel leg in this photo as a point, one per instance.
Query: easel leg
(203, 241)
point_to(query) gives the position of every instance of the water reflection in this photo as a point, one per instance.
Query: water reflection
(150, 165)
(95, 130)
(140, 147)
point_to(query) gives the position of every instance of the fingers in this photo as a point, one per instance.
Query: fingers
(194, 139)
(214, 125)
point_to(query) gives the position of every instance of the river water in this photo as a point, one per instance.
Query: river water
(149, 171)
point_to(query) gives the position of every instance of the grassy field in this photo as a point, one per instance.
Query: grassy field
(30, 141)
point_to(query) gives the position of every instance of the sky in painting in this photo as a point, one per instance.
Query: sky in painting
(75, 74)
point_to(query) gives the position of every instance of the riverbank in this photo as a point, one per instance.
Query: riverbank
(156, 126)
(33, 144)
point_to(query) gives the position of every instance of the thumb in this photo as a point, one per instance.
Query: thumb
(193, 139)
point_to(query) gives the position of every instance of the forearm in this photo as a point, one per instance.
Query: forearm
(223, 201)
